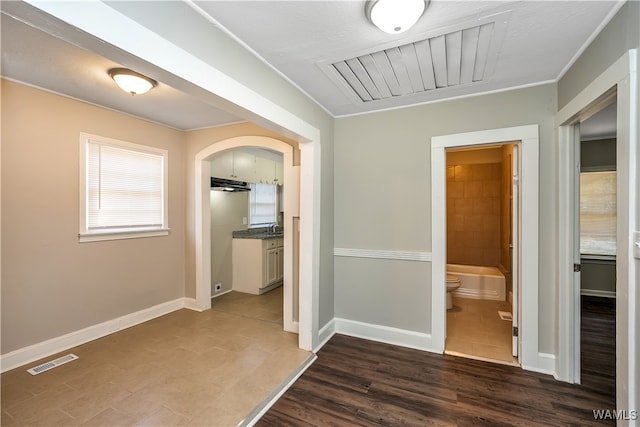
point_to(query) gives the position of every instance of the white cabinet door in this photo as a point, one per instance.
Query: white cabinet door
(279, 174)
(265, 169)
(272, 266)
(222, 165)
(244, 166)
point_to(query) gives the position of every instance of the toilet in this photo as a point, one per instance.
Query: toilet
(453, 283)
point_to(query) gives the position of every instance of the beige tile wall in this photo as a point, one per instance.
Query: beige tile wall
(473, 214)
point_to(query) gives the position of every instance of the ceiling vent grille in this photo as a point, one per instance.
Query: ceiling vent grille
(457, 58)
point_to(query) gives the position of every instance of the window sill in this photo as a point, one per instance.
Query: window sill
(119, 235)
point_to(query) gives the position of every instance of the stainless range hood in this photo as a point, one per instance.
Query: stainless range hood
(229, 185)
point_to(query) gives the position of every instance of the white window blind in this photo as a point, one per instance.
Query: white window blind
(124, 187)
(598, 213)
(262, 204)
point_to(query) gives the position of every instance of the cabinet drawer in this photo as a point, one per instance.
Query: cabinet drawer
(271, 243)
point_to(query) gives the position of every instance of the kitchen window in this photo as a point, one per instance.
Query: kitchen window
(598, 213)
(122, 190)
(263, 205)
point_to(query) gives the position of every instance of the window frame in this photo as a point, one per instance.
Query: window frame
(593, 255)
(86, 235)
(251, 198)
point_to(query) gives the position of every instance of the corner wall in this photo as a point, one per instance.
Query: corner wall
(52, 284)
(382, 203)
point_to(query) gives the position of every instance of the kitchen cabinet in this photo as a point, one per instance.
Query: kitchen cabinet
(257, 264)
(269, 171)
(235, 165)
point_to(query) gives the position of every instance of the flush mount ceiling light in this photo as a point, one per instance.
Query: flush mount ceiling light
(395, 16)
(132, 82)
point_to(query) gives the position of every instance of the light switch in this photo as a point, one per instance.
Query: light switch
(244, 220)
(636, 244)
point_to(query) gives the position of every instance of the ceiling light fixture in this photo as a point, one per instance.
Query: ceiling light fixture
(395, 16)
(132, 82)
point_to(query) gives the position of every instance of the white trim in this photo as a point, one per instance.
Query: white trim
(622, 74)
(544, 363)
(451, 98)
(383, 254)
(84, 234)
(529, 313)
(220, 294)
(485, 294)
(591, 38)
(293, 206)
(270, 400)
(598, 293)
(325, 334)
(55, 345)
(100, 237)
(191, 304)
(385, 334)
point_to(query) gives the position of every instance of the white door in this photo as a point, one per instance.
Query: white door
(515, 242)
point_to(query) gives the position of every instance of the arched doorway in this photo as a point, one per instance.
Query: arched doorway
(291, 211)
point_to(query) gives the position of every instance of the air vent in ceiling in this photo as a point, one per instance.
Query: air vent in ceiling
(461, 57)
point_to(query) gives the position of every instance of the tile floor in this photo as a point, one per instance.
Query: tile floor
(182, 369)
(475, 329)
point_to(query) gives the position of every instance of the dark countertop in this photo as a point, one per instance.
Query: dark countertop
(259, 236)
(258, 233)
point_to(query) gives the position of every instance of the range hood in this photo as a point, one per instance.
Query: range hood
(229, 185)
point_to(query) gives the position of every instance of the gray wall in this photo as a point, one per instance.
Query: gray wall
(383, 201)
(620, 35)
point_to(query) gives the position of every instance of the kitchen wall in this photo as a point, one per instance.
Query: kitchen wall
(51, 283)
(383, 202)
(227, 211)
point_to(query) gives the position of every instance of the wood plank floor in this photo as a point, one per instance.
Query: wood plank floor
(598, 343)
(357, 382)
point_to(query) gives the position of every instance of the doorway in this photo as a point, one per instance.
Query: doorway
(527, 136)
(595, 219)
(482, 252)
(291, 202)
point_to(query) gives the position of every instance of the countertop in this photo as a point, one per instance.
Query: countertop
(258, 233)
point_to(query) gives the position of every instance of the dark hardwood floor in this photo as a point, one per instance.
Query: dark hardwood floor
(357, 382)
(598, 343)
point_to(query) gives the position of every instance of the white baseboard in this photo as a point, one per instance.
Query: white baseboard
(544, 364)
(325, 334)
(46, 348)
(385, 334)
(597, 293)
(192, 304)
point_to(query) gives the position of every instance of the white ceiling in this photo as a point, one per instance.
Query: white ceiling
(532, 42)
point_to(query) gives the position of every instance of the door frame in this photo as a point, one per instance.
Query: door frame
(291, 191)
(623, 76)
(530, 358)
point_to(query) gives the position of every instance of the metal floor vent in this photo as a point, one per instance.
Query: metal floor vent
(456, 58)
(52, 364)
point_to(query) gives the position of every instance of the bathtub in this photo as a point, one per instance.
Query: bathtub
(479, 282)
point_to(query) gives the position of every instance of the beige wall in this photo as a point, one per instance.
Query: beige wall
(473, 213)
(51, 284)
(383, 201)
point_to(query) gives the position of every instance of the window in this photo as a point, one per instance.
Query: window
(598, 213)
(263, 205)
(122, 190)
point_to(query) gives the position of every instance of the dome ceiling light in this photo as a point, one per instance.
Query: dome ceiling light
(132, 82)
(395, 16)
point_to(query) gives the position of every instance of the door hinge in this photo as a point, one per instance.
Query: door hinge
(515, 331)
(577, 268)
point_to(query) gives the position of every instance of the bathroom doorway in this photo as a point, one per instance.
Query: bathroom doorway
(482, 199)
